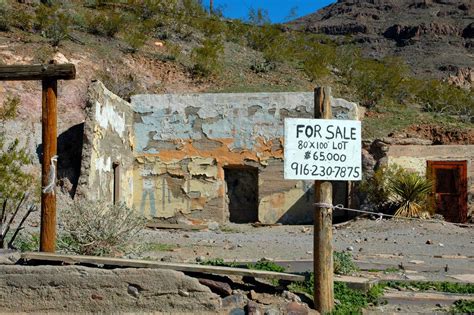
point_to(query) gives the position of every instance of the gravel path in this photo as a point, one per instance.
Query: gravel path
(422, 246)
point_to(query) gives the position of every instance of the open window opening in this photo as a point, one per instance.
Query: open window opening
(242, 193)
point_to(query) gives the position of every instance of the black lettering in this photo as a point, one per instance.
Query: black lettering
(353, 133)
(328, 129)
(299, 130)
(317, 130)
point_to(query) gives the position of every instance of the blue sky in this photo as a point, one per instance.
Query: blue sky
(278, 10)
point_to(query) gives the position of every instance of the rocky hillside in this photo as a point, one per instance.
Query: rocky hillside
(435, 37)
(176, 46)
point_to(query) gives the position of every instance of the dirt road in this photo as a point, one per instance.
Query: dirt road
(425, 247)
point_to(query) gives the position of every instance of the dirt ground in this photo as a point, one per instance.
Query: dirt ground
(426, 248)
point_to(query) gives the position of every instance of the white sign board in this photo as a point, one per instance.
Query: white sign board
(323, 149)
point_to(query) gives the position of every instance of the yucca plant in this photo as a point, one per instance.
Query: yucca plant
(410, 190)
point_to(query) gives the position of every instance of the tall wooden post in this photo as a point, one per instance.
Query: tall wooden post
(49, 74)
(322, 244)
(48, 166)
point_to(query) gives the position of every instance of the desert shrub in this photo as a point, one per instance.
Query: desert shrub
(105, 23)
(343, 263)
(95, 228)
(234, 31)
(4, 14)
(27, 242)
(53, 22)
(410, 191)
(9, 108)
(207, 58)
(212, 26)
(137, 33)
(266, 265)
(13, 178)
(262, 67)
(377, 187)
(10, 17)
(443, 98)
(378, 81)
(317, 59)
(349, 301)
(13, 158)
(463, 307)
(22, 19)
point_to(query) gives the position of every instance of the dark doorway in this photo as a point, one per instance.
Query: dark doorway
(449, 194)
(242, 191)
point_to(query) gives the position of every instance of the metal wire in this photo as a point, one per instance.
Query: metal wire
(381, 215)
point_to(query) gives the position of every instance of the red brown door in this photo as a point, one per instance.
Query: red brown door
(449, 195)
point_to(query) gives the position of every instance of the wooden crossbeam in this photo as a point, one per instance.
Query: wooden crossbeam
(135, 263)
(37, 72)
(48, 74)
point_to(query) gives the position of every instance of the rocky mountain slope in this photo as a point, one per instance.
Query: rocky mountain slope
(435, 37)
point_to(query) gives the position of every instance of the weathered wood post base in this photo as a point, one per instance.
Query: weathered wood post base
(323, 250)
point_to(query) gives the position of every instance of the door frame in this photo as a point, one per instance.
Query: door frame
(462, 165)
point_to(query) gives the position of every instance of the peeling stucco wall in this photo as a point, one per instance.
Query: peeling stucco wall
(107, 140)
(184, 142)
(415, 158)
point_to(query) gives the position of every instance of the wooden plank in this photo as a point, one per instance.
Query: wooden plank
(37, 72)
(171, 226)
(406, 297)
(322, 243)
(135, 263)
(48, 167)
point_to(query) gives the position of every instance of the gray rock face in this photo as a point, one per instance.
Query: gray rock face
(81, 290)
(430, 35)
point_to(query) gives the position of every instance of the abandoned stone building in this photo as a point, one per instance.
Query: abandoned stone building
(220, 156)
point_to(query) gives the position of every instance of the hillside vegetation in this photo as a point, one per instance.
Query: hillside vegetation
(179, 41)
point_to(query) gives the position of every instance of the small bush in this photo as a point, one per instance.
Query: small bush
(343, 263)
(53, 22)
(94, 228)
(22, 19)
(9, 108)
(13, 178)
(410, 191)
(378, 81)
(27, 242)
(317, 60)
(377, 187)
(463, 307)
(442, 98)
(266, 265)
(218, 262)
(4, 14)
(207, 58)
(105, 23)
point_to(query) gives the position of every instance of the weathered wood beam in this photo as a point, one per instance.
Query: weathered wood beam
(135, 263)
(37, 72)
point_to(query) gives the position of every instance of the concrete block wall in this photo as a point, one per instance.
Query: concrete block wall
(183, 144)
(107, 140)
(415, 157)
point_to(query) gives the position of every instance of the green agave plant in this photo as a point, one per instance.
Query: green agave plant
(411, 191)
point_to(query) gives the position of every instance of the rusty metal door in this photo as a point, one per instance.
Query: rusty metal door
(449, 195)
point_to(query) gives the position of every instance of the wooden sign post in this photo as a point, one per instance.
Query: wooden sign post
(322, 243)
(49, 74)
(322, 149)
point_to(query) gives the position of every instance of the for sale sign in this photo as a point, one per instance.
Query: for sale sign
(322, 149)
